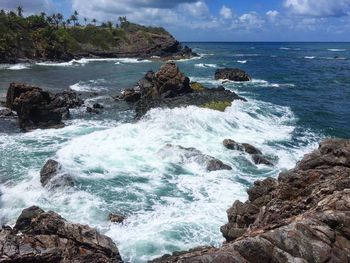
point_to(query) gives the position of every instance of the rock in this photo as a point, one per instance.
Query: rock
(130, 95)
(303, 216)
(92, 110)
(259, 159)
(193, 155)
(114, 218)
(37, 108)
(51, 175)
(97, 106)
(234, 74)
(5, 112)
(40, 236)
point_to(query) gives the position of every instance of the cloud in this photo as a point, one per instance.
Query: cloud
(321, 8)
(198, 9)
(272, 14)
(249, 21)
(225, 12)
(29, 6)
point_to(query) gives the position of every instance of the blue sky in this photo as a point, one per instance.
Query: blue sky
(216, 20)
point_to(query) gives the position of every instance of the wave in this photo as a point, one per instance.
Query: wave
(202, 65)
(89, 86)
(83, 61)
(242, 61)
(160, 196)
(246, 55)
(285, 48)
(15, 66)
(309, 57)
(336, 49)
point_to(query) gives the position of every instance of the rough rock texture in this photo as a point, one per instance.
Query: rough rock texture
(52, 176)
(114, 218)
(170, 88)
(46, 237)
(193, 155)
(303, 216)
(37, 108)
(234, 74)
(255, 153)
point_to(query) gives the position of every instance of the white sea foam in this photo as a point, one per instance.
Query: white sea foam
(309, 57)
(202, 65)
(19, 67)
(246, 55)
(337, 49)
(242, 61)
(83, 61)
(89, 86)
(284, 48)
(169, 205)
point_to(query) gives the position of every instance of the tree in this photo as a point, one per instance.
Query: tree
(43, 15)
(74, 19)
(59, 17)
(85, 20)
(110, 25)
(69, 22)
(94, 21)
(20, 11)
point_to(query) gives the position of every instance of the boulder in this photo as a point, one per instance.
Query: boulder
(303, 216)
(193, 155)
(46, 237)
(52, 176)
(114, 218)
(234, 74)
(130, 95)
(39, 109)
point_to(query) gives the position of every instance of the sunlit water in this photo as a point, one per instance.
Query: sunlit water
(299, 94)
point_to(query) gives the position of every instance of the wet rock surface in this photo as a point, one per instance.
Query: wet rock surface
(40, 236)
(52, 176)
(303, 216)
(37, 108)
(234, 74)
(115, 218)
(190, 154)
(170, 88)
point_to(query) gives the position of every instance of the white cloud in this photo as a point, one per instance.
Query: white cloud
(198, 9)
(249, 21)
(320, 8)
(272, 14)
(226, 12)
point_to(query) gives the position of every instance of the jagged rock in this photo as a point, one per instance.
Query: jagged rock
(37, 108)
(114, 218)
(194, 155)
(234, 74)
(92, 110)
(46, 237)
(256, 154)
(51, 175)
(5, 112)
(130, 95)
(97, 106)
(303, 216)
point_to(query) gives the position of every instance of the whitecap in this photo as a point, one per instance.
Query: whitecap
(284, 48)
(242, 61)
(202, 65)
(19, 67)
(89, 86)
(336, 49)
(309, 57)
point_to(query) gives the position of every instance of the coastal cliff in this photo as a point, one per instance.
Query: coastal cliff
(38, 38)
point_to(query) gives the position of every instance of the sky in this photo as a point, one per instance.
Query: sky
(214, 20)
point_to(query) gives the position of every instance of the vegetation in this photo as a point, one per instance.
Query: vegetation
(217, 105)
(197, 86)
(54, 37)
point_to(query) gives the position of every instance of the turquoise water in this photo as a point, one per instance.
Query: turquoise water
(299, 94)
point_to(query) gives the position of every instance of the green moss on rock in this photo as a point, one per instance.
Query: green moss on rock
(197, 86)
(217, 105)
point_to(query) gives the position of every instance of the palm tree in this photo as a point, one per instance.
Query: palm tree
(110, 25)
(19, 11)
(64, 24)
(74, 19)
(2, 12)
(94, 21)
(85, 20)
(69, 22)
(59, 17)
(43, 15)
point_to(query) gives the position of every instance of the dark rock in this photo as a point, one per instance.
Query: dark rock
(52, 176)
(5, 112)
(114, 218)
(259, 159)
(304, 216)
(97, 106)
(130, 95)
(234, 74)
(194, 155)
(37, 108)
(40, 236)
(92, 110)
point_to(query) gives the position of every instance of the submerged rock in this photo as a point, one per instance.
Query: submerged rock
(40, 109)
(234, 74)
(52, 176)
(114, 218)
(46, 237)
(170, 88)
(303, 216)
(256, 154)
(194, 155)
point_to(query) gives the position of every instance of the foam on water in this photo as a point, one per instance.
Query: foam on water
(14, 66)
(242, 61)
(337, 49)
(309, 57)
(89, 86)
(170, 205)
(202, 65)
(83, 61)
(284, 48)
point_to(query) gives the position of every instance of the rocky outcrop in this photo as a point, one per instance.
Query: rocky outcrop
(302, 216)
(52, 176)
(193, 155)
(256, 154)
(46, 237)
(114, 218)
(170, 88)
(234, 74)
(37, 108)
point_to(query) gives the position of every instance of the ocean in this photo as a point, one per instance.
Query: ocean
(299, 94)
